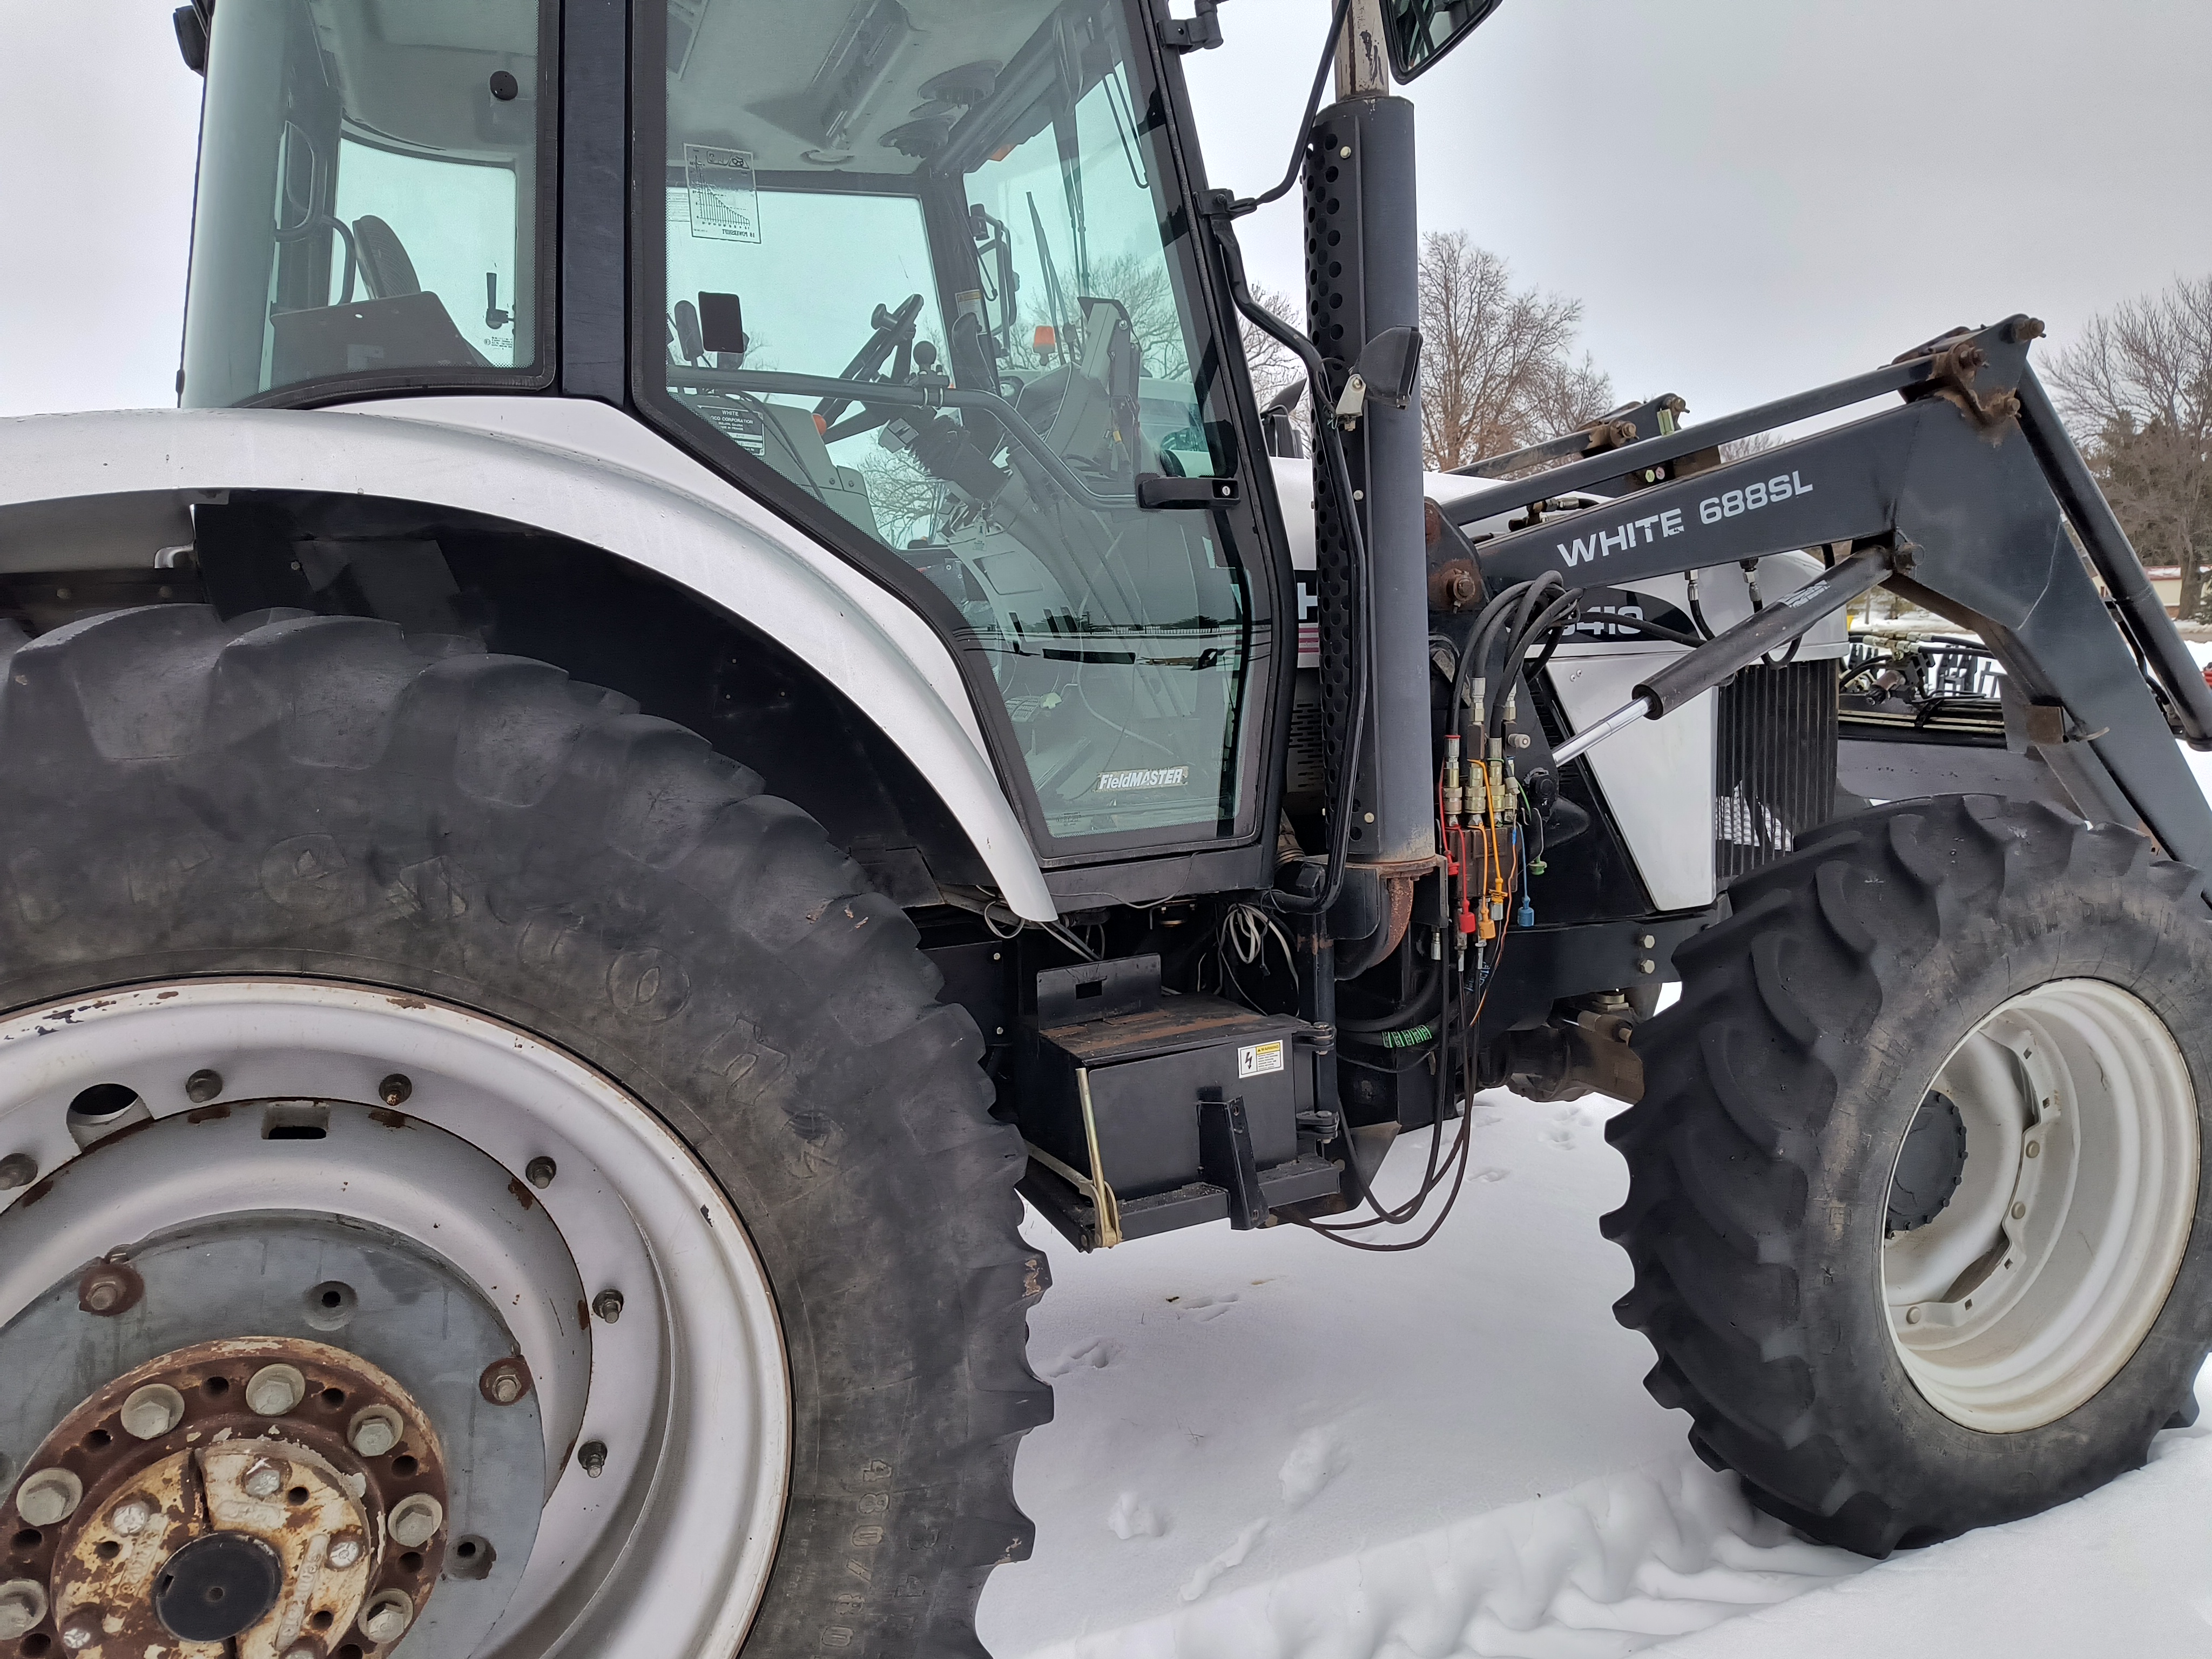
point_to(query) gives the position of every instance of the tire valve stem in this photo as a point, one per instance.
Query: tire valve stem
(395, 1089)
(591, 1458)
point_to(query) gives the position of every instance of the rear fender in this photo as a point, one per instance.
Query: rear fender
(112, 490)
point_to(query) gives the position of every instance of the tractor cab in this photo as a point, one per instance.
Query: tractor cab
(921, 274)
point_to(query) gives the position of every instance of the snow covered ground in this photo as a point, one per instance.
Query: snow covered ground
(1267, 1447)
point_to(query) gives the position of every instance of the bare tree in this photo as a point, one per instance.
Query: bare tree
(1142, 286)
(1274, 364)
(1567, 397)
(1742, 449)
(1498, 370)
(2137, 391)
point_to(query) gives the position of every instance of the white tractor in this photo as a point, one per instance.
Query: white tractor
(712, 679)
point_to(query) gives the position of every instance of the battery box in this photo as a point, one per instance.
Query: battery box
(1146, 1111)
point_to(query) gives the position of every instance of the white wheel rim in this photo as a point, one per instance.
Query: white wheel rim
(2037, 1281)
(665, 1555)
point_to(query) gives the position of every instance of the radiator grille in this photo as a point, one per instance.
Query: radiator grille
(1774, 764)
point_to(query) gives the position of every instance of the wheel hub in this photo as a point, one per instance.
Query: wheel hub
(1929, 1165)
(460, 1214)
(2027, 1272)
(283, 1539)
(427, 1411)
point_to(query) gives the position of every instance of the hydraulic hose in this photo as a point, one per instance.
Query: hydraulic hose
(1545, 621)
(1426, 1006)
(1477, 655)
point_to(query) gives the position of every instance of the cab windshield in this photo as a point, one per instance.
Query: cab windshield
(367, 195)
(924, 266)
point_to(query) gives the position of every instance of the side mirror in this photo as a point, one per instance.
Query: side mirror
(1422, 31)
(191, 27)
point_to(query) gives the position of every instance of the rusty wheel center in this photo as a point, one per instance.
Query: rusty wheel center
(257, 1497)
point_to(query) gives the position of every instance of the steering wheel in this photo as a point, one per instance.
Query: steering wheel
(893, 337)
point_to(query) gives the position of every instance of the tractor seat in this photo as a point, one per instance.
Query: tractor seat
(384, 260)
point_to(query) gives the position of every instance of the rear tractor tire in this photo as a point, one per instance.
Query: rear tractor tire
(1920, 1221)
(471, 1122)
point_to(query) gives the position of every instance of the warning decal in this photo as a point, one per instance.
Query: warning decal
(1259, 1059)
(724, 195)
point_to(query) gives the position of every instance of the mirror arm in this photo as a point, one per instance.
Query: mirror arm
(1237, 209)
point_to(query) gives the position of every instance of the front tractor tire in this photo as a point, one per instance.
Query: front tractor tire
(1920, 1221)
(605, 1118)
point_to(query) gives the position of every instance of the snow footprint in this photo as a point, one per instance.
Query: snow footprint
(1239, 1547)
(1206, 1309)
(1098, 1354)
(1317, 1459)
(1562, 1132)
(1131, 1517)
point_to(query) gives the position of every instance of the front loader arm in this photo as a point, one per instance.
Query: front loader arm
(1973, 510)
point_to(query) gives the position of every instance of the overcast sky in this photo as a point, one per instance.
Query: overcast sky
(1749, 196)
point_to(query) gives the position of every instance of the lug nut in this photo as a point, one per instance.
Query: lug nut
(202, 1087)
(2018, 1210)
(591, 1458)
(345, 1551)
(387, 1617)
(275, 1389)
(376, 1429)
(153, 1411)
(414, 1521)
(504, 1382)
(49, 1497)
(129, 1518)
(22, 1606)
(1645, 965)
(2035, 1149)
(109, 1288)
(541, 1172)
(394, 1092)
(266, 1478)
(83, 1631)
(608, 1304)
(17, 1169)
